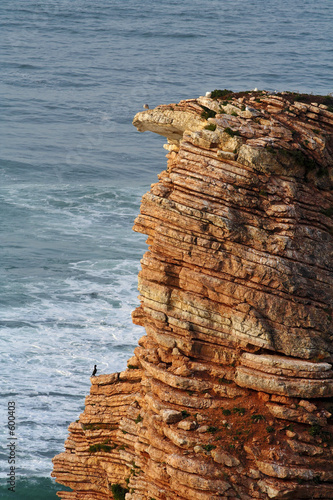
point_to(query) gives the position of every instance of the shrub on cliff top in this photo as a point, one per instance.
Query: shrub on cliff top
(219, 94)
(328, 100)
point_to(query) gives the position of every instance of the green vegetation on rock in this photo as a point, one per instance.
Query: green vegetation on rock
(219, 94)
(210, 126)
(208, 113)
(118, 492)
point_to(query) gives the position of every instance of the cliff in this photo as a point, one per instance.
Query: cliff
(229, 393)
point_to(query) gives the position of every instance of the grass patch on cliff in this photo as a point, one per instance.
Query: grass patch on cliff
(221, 94)
(135, 469)
(118, 491)
(91, 427)
(257, 418)
(212, 429)
(240, 411)
(138, 419)
(211, 126)
(123, 447)
(207, 113)
(327, 100)
(208, 447)
(231, 132)
(185, 413)
(105, 446)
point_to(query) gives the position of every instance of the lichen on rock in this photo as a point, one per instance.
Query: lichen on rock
(229, 393)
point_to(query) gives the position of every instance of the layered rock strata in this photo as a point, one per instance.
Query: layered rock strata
(229, 393)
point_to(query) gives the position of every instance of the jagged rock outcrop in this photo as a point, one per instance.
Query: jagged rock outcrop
(229, 393)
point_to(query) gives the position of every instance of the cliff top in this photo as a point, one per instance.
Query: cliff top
(277, 133)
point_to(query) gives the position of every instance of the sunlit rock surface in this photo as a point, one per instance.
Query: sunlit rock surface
(229, 393)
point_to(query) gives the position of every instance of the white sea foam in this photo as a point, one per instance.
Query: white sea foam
(73, 315)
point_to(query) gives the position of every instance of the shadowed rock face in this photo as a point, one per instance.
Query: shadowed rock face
(229, 395)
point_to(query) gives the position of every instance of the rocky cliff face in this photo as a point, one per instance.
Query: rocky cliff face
(229, 393)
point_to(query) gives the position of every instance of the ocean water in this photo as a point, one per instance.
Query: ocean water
(73, 170)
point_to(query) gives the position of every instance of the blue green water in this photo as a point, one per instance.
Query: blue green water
(73, 170)
(32, 488)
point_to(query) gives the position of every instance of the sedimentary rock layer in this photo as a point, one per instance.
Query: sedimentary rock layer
(229, 393)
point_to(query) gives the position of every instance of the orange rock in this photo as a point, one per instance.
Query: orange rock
(236, 299)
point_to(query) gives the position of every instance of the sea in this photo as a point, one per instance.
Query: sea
(73, 170)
